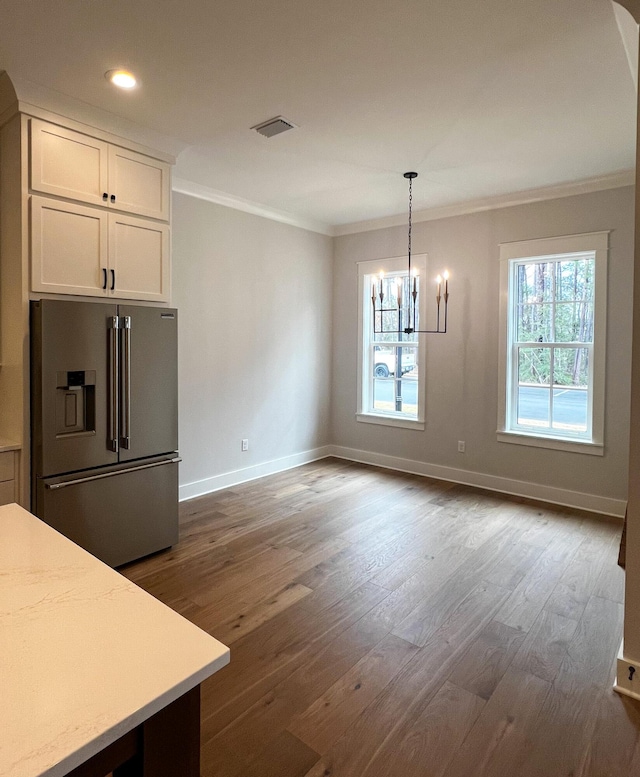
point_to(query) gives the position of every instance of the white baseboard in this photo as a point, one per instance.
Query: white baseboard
(559, 496)
(233, 478)
(623, 684)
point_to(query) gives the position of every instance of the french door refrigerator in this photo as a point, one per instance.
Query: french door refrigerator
(104, 410)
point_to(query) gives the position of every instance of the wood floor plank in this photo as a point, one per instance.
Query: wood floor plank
(401, 570)
(285, 756)
(487, 660)
(275, 650)
(524, 605)
(240, 741)
(436, 734)
(246, 572)
(503, 731)
(263, 610)
(433, 610)
(616, 735)
(511, 569)
(324, 562)
(546, 645)
(375, 734)
(610, 583)
(217, 601)
(325, 720)
(579, 579)
(573, 701)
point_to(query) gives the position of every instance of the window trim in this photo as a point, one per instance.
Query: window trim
(373, 267)
(592, 242)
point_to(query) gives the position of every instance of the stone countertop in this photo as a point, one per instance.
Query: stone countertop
(85, 655)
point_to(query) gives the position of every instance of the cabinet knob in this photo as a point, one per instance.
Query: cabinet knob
(105, 196)
(113, 198)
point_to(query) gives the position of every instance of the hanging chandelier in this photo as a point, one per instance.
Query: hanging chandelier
(402, 316)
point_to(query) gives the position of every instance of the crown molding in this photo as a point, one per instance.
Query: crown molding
(628, 29)
(586, 186)
(21, 95)
(191, 189)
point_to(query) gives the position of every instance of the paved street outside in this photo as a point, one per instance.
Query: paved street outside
(569, 405)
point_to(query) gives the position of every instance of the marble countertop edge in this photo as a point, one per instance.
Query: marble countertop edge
(95, 745)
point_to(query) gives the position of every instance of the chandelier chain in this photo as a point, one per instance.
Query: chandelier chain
(410, 207)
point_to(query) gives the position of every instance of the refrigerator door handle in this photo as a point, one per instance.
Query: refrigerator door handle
(114, 382)
(65, 483)
(125, 424)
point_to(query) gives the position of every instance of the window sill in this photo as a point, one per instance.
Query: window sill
(386, 420)
(554, 443)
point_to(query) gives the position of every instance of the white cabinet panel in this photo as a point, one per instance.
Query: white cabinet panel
(68, 164)
(81, 250)
(139, 256)
(139, 183)
(78, 167)
(68, 248)
(100, 232)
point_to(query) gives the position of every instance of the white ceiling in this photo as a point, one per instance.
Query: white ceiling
(481, 97)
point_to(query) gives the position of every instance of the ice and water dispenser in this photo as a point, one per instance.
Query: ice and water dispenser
(75, 402)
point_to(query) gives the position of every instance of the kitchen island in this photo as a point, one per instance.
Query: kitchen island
(95, 674)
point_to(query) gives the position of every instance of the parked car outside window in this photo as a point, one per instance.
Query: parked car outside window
(385, 361)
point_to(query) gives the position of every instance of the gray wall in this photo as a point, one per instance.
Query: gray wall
(462, 365)
(254, 300)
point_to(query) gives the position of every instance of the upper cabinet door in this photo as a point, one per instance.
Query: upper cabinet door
(68, 164)
(138, 258)
(68, 248)
(139, 184)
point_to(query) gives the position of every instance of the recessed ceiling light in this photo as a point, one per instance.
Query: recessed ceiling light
(122, 78)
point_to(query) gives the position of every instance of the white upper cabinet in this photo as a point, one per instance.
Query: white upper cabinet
(68, 164)
(138, 258)
(69, 248)
(138, 184)
(77, 249)
(75, 166)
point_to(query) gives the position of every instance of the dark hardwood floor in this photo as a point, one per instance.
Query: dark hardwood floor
(386, 625)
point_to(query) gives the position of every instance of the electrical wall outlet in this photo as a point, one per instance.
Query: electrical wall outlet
(245, 445)
(461, 446)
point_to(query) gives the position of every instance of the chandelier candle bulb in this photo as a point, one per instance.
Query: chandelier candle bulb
(446, 284)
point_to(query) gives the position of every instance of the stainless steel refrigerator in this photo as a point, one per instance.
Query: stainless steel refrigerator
(104, 411)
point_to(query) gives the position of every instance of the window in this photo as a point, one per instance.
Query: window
(553, 311)
(390, 364)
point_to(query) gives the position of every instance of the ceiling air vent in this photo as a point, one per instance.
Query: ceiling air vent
(273, 126)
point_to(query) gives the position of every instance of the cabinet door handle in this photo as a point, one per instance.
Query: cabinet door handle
(104, 278)
(113, 279)
(105, 196)
(113, 198)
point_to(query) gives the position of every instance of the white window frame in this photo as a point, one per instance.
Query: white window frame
(550, 249)
(364, 411)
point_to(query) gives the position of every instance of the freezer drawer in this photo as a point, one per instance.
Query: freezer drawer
(117, 515)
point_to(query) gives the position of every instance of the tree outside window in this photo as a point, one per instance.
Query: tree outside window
(554, 317)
